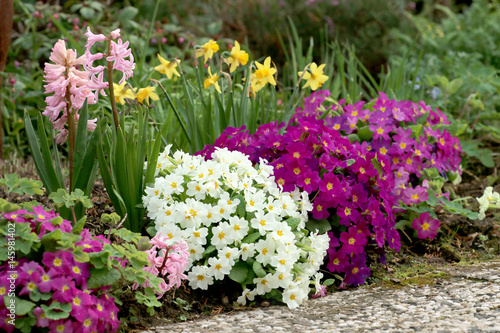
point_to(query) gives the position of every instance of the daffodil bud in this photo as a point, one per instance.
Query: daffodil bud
(225, 54)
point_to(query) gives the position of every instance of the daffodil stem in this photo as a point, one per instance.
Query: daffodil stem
(111, 89)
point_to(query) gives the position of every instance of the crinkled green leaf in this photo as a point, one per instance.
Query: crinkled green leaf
(102, 277)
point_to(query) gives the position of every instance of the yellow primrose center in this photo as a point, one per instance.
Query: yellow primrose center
(236, 227)
(292, 297)
(425, 226)
(362, 170)
(168, 212)
(347, 211)
(296, 155)
(218, 267)
(329, 186)
(87, 322)
(76, 269)
(415, 196)
(336, 126)
(319, 208)
(262, 222)
(2, 290)
(296, 171)
(307, 181)
(352, 241)
(200, 277)
(264, 251)
(383, 150)
(280, 233)
(60, 328)
(402, 145)
(77, 301)
(380, 130)
(355, 270)
(336, 261)
(57, 262)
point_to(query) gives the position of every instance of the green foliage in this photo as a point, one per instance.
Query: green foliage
(62, 198)
(21, 186)
(457, 69)
(122, 157)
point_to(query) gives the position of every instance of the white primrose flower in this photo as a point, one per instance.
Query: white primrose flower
(266, 250)
(196, 189)
(263, 222)
(173, 184)
(247, 250)
(198, 200)
(199, 277)
(293, 297)
(283, 261)
(247, 294)
(221, 235)
(239, 228)
(283, 233)
(195, 252)
(229, 253)
(284, 279)
(489, 199)
(254, 200)
(265, 284)
(194, 212)
(219, 267)
(198, 236)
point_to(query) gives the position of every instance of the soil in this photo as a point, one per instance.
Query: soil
(460, 240)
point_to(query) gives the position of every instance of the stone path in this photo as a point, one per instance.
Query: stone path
(467, 301)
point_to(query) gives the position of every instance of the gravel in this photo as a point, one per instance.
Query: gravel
(467, 301)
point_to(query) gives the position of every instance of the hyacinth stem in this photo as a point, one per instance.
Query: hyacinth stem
(164, 261)
(111, 89)
(71, 143)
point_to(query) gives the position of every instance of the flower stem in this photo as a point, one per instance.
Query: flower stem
(164, 261)
(111, 88)
(71, 137)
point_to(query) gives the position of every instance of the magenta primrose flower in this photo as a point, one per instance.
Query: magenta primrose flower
(425, 226)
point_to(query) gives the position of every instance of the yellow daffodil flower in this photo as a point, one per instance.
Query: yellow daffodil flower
(122, 92)
(146, 93)
(167, 67)
(212, 81)
(264, 73)
(207, 50)
(237, 57)
(314, 76)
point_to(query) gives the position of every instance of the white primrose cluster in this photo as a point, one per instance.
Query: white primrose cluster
(237, 222)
